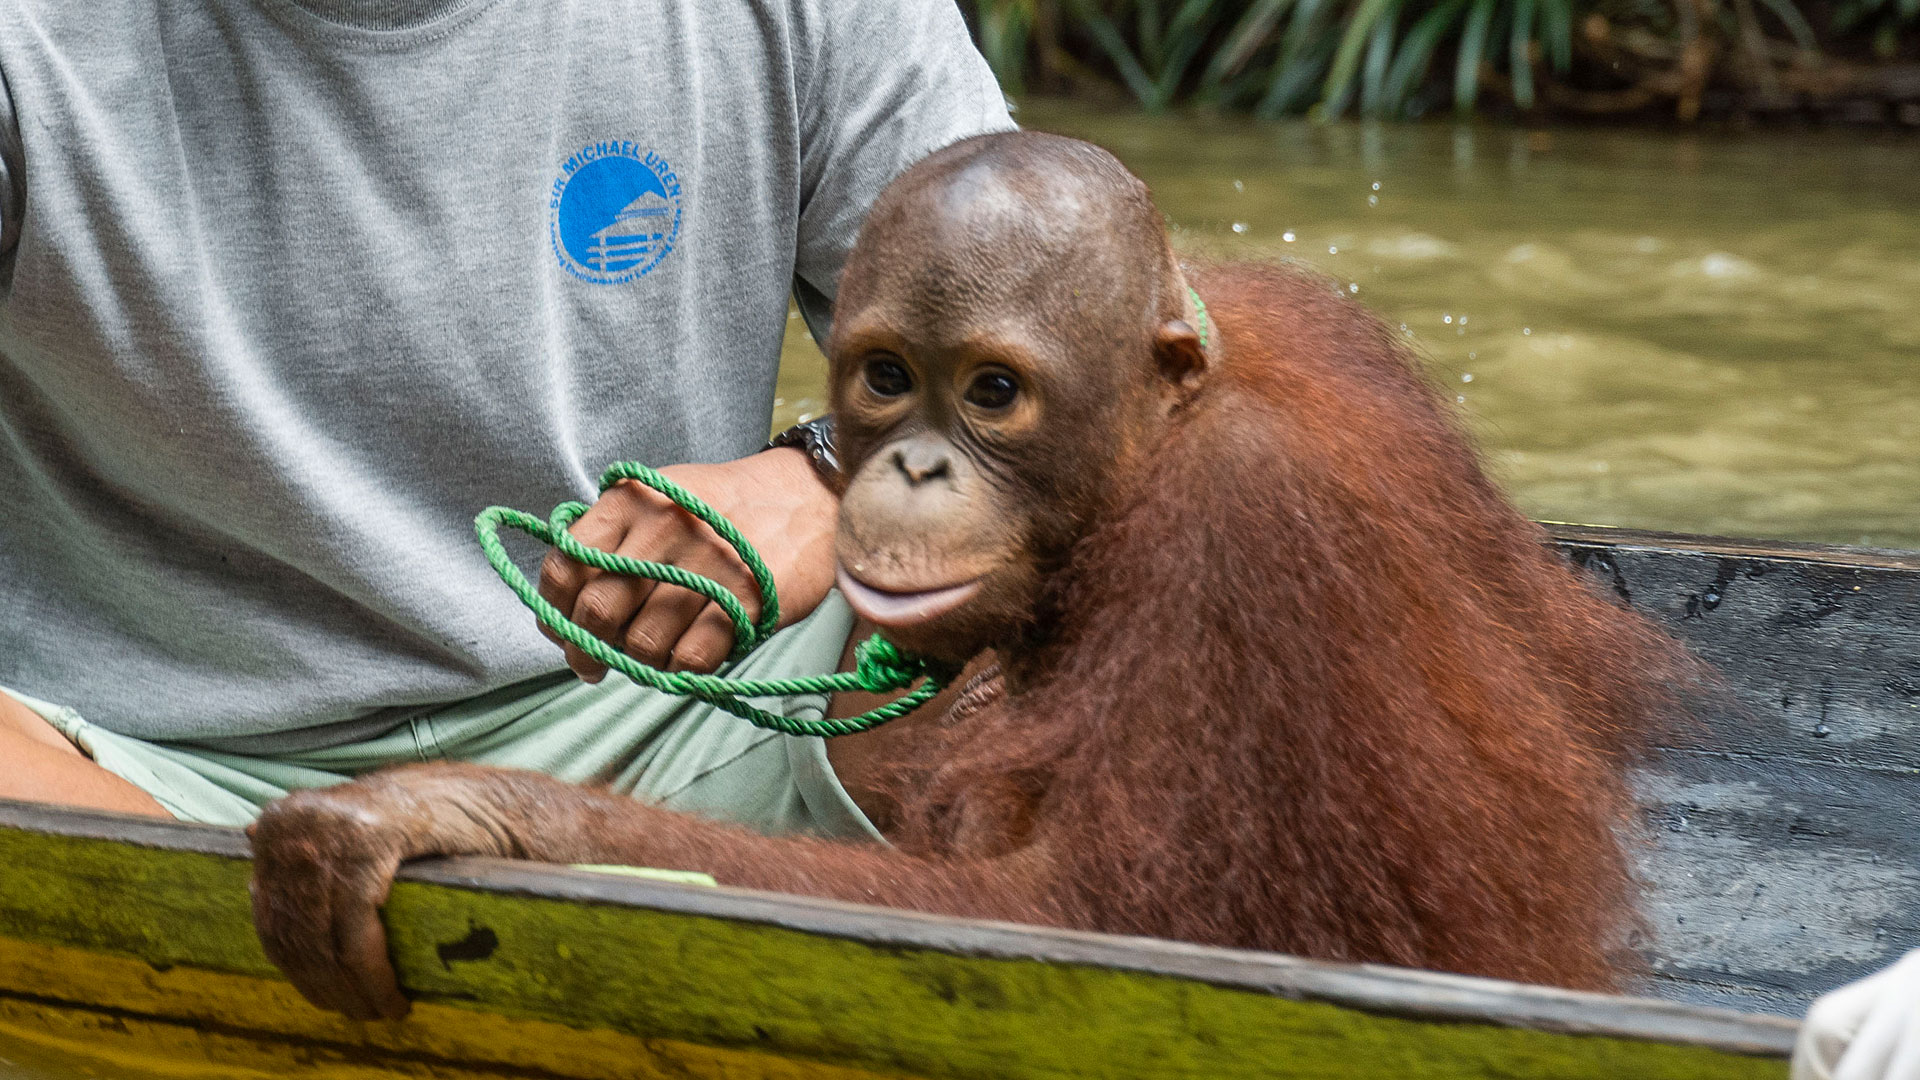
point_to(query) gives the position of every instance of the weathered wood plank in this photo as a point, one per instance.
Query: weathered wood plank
(1786, 828)
(102, 916)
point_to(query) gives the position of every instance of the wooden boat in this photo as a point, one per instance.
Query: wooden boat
(1784, 859)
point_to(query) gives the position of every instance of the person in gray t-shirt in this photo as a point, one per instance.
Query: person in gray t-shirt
(290, 289)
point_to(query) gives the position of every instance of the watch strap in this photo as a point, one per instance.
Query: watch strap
(815, 439)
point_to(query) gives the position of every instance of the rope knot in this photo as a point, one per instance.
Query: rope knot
(879, 665)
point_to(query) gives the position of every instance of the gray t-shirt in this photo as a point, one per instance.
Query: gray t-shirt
(290, 290)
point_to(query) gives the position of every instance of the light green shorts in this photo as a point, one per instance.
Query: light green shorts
(679, 753)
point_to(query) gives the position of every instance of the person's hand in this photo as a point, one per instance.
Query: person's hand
(774, 498)
(1866, 1030)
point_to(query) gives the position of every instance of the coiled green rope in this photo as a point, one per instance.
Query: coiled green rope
(879, 666)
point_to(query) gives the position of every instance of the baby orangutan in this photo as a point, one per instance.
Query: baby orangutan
(1282, 668)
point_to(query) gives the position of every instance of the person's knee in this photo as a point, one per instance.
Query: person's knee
(44, 767)
(17, 719)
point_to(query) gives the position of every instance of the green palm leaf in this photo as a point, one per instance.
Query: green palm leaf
(1414, 57)
(1347, 58)
(1520, 53)
(1242, 42)
(1473, 44)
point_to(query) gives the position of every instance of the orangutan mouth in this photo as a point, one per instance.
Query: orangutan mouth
(902, 609)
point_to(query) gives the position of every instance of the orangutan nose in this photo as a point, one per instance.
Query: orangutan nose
(922, 459)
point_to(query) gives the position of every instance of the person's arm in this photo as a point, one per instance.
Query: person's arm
(13, 185)
(881, 86)
(1865, 1030)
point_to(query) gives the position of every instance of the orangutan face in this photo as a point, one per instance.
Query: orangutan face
(993, 366)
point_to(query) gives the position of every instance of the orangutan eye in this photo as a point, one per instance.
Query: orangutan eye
(887, 378)
(993, 390)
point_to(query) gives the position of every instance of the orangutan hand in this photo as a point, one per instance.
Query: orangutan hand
(774, 498)
(323, 861)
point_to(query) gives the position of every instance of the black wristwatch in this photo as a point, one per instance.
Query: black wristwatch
(815, 439)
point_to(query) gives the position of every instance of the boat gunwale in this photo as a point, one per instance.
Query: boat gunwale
(1376, 989)
(1836, 555)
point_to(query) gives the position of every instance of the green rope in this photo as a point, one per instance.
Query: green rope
(1200, 306)
(879, 666)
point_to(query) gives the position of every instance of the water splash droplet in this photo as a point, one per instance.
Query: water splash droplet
(1238, 186)
(1239, 226)
(1353, 286)
(1448, 319)
(1331, 250)
(1467, 377)
(1287, 236)
(1373, 200)
(1527, 330)
(1376, 185)
(1460, 399)
(1473, 356)
(1821, 731)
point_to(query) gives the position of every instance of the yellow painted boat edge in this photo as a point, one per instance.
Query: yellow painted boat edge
(765, 978)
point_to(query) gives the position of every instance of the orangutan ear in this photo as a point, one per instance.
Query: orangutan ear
(1177, 350)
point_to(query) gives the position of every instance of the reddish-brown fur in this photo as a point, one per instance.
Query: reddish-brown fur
(1315, 686)
(1318, 688)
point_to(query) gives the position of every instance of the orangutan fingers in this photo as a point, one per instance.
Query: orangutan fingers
(294, 923)
(323, 861)
(361, 944)
(343, 962)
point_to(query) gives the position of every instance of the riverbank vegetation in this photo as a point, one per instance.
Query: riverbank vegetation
(1855, 61)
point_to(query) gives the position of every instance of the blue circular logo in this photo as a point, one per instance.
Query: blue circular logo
(614, 213)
